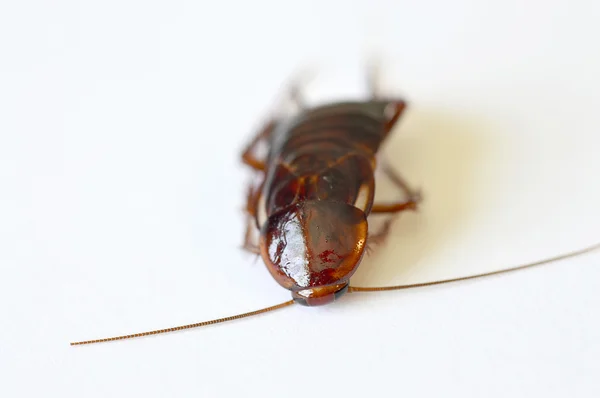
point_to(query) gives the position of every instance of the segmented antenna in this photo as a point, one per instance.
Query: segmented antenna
(190, 326)
(350, 289)
(464, 278)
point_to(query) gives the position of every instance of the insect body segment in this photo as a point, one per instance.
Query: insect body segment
(317, 192)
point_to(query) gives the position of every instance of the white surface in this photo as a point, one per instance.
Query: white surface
(121, 124)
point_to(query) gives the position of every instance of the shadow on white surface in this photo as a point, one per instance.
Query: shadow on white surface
(436, 152)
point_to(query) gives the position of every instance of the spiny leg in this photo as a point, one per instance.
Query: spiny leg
(392, 208)
(250, 246)
(248, 156)
(395, 207)
(414, 197)
(380, 236)
(373, 77)
(252, 200)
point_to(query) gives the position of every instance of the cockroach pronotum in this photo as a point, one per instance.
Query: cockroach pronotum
(315, 197)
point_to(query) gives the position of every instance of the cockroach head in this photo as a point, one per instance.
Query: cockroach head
(312, 248)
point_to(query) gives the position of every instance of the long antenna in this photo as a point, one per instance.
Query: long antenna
(190, 326)
(463, 278)
(350, 289)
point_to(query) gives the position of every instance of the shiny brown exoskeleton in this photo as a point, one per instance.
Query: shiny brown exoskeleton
(317, 192)
(312, 205)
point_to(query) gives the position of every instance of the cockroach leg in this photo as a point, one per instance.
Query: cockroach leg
(252, 199)
(249, 246)
(398, 181)
(414, 197)
(248, 156)
(394, 207)
(380, 236)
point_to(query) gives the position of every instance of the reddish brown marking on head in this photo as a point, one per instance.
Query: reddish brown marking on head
(313, 248)
(329, 256)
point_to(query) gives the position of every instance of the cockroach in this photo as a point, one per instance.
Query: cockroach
(316, 194)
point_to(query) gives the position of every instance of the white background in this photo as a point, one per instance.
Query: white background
(121, 124)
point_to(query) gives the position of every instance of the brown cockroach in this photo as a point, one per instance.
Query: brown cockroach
(315, 198)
